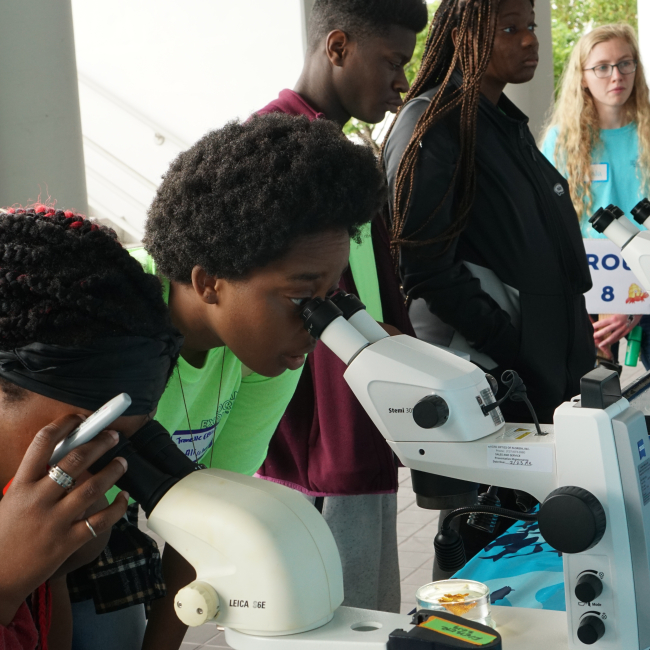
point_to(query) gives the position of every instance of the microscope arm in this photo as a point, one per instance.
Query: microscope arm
(268, 567)
(492, 460)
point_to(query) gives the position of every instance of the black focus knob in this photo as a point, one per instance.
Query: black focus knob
(431, 412)
(591, 629)
(588, 588)
(572, 520)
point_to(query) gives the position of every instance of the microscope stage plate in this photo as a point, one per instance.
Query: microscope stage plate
(521, 629)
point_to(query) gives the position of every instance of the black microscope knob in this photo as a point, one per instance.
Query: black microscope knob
(431, 412)
(572, 520)
(591, 629)
(588, 588)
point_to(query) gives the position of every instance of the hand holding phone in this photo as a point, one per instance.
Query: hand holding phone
(95, 423)
(41, 524)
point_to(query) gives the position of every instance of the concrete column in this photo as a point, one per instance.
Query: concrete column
(305, 11)
(536, 97)
(41, 153)
(644, 34)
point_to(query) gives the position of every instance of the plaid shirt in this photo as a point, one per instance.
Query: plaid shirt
(128, 571)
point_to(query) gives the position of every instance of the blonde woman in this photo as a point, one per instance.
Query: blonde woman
(599, 139)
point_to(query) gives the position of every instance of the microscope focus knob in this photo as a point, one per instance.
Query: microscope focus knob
(196, 603)
(572, 520)
(588, 588)
(591, 629)
(431, 412)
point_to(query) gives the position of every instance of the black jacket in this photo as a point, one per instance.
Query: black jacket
(509, 290)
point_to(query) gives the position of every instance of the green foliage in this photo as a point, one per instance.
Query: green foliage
(414, 65)
(570, 20)
(573, 18)
(368, 132)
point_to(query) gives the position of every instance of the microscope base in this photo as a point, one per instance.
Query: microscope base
(521, 629)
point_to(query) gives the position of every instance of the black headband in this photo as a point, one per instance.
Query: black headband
(89, 376)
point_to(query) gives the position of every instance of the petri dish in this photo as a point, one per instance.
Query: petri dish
(466, 598)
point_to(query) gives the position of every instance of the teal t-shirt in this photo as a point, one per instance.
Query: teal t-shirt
(614, 172)
(244, 407)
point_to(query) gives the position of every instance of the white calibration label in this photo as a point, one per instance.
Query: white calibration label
(531, 458)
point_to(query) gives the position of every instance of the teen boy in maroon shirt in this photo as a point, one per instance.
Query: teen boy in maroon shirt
(326, 445)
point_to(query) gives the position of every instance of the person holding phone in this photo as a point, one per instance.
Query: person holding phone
(81, 322)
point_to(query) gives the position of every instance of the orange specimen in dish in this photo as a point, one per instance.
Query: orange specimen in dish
(455, 603)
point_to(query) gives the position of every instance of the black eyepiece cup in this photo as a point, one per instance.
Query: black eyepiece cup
(641, 211)
(348, 303)
(318, 314)
(602, 219)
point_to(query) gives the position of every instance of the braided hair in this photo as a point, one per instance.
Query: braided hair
(475, 22)
(65, 280)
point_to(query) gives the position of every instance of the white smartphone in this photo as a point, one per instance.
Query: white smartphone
(88, 429)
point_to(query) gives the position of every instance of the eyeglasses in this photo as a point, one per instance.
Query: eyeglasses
(605, 70)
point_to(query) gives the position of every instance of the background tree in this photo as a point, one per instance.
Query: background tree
(573, 18)
(372, 134)
(570, 20)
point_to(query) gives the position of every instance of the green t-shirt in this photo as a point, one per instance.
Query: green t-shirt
(249, 405)
(364, 272)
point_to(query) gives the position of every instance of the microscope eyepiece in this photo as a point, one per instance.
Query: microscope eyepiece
(616, 211)
(143, 481)
(154, 444)
(641, 211)
(348, 303)
(325, 321)
(603, 218)
(318, 315)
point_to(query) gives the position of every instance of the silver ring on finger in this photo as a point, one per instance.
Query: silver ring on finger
(61, 478)
(90, 528)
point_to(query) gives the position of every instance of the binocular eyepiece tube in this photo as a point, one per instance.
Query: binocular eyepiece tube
(354, 311)
(156, 464)
(342, 324)
(325, 321)
(608, 221)
(641, 212)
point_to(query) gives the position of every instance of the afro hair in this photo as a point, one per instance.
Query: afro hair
(242, 195)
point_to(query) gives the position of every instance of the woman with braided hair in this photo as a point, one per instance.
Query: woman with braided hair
(483, 227)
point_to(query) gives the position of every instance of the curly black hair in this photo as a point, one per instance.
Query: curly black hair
(241, 196)
(362, 18)
(65, 280)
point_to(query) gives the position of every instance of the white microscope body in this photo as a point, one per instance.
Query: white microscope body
(634, 243)
(267, 566)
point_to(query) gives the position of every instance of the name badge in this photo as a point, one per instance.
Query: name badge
(600, 173)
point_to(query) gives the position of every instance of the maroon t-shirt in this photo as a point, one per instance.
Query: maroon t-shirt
(325, 444)
(21, 633)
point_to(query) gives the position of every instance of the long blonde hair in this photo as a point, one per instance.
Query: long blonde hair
(576, 119)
